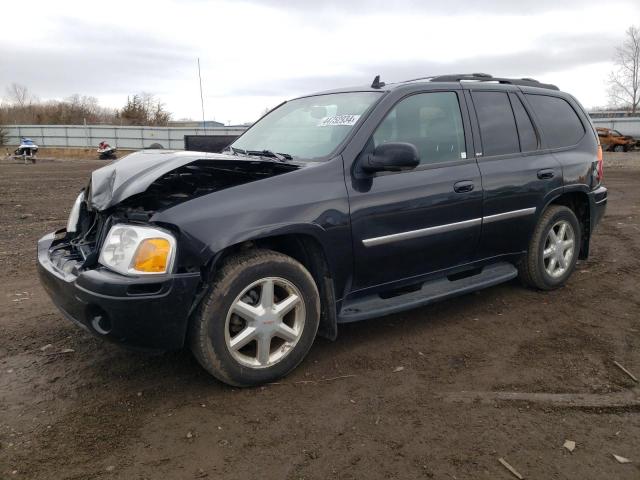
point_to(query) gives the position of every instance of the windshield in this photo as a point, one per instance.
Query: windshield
(307, 127)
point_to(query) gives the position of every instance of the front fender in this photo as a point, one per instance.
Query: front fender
(265, 231)
(310, 201)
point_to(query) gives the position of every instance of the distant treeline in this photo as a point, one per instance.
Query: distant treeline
(21, 107)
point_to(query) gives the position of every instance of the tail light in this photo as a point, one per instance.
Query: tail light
(599, 168)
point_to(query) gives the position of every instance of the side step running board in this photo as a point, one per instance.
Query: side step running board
(435, 290)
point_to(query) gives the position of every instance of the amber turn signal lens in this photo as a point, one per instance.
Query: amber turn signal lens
(152, 256)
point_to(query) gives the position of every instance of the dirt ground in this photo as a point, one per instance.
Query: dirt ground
(504, 373)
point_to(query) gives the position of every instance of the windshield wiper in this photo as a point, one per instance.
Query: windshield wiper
(259, 153)
(268, 153)
(235, 151)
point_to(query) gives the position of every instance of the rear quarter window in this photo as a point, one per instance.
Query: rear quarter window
(526, 132)
(558, 120)
(497, 123)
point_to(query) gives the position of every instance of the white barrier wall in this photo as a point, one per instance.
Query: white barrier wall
(173, 137)
(119, 137)
(626, 126)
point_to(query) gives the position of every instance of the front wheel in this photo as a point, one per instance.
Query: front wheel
(553, 249)
(259, 319)
(619, 148)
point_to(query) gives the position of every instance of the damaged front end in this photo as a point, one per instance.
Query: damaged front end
(199, 178)
(111, 199)
(113, 251)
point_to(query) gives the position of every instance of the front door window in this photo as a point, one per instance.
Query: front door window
(430, 121)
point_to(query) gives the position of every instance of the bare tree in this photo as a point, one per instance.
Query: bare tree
(23, 107)
(18, 94)
(624, 81)
(144, 109)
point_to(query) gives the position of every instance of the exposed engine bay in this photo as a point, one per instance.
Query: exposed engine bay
(188, 181)
(197, 179)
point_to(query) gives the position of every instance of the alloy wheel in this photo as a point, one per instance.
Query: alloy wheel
(265, 322)
(559, 249)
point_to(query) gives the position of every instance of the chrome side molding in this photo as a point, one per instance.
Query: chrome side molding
(449, 227)
(506, 215)
(423, 232)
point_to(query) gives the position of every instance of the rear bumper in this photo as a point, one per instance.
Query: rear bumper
(145, 313)
(597, 206)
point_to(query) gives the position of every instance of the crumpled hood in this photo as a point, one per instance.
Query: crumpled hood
(134, 173)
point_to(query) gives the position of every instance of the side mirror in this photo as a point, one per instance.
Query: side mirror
(392, 157)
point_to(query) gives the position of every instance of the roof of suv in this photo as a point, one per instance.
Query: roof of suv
(378, 86)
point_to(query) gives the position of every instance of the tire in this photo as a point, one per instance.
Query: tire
(535, 268)
(240, 286)
(619, 148)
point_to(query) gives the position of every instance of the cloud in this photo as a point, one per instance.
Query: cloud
(552, 53)
(494, 7)
(90, 60)
(255, 53)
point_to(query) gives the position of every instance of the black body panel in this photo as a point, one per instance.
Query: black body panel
(516, 188)
(310, 201)
(378, 232)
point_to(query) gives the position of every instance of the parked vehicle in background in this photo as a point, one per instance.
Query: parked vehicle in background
(27, 150)
(106, 151)
(332, 208)
(613, 141)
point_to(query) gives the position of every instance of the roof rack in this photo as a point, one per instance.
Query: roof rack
(485, 77)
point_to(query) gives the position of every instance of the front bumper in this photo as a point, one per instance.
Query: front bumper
(140, 312)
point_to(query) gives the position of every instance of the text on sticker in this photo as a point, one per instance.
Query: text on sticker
(339, 120)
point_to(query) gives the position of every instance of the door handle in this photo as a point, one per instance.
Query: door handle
(545, 174)
(463, 187)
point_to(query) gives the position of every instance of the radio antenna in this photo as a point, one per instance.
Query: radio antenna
(204, 124)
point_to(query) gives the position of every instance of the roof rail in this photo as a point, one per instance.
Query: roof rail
(465, 75)
(485, 77)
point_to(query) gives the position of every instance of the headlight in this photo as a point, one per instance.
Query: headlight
(72, 223)
(134, 250)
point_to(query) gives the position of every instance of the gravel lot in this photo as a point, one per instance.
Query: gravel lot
(439, 392)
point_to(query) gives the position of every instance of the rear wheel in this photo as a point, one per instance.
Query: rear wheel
(553, 249)
(259, 319)
(619, 148)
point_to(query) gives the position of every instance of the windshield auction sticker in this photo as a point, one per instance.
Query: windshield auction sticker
(339, 120)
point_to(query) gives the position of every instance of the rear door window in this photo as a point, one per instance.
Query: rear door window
(526, 132)
(497, 123)
(558, 120)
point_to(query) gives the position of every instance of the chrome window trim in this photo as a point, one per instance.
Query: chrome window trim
(449, 227)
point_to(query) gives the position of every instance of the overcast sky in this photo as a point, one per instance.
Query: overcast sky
(254, 54)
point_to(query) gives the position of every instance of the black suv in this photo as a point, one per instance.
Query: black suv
(334, 207)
